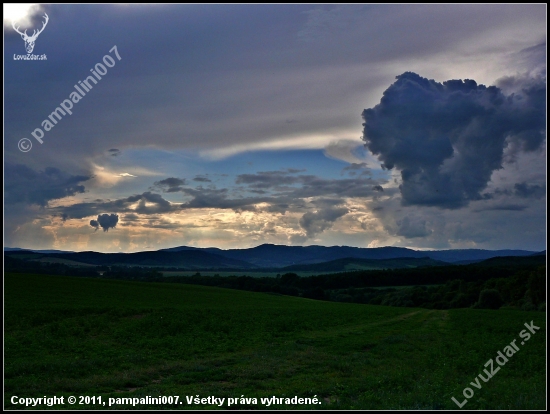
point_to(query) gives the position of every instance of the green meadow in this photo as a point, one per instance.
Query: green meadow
(67, 336)
(236, 273)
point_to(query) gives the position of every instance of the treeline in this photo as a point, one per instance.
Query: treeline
(523, 290)
(12, 264)
(520, 283)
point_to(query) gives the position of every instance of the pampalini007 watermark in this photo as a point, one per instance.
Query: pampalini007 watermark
(65, 107)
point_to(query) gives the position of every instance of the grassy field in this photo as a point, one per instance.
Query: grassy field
(74, 336)
(237, 273)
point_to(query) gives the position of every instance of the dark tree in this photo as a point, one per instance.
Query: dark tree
(489, 299)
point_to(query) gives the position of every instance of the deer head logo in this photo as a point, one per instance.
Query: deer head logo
(29, 40)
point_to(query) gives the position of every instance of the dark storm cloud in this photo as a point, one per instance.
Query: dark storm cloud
(22, 184)
(105, 221)
(378, 188)
(525, 190)
(448, 138)
(315, 223)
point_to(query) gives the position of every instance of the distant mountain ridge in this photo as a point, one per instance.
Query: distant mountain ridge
(183, 259)
(263, 256)
(18, 249)
(271, 255)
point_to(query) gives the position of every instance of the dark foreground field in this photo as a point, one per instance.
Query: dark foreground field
(74, 336)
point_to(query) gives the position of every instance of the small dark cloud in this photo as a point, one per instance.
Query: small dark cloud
(170, 185)
(159, 204)
(267, 179)
(378, 188)
(114, 152)
(202, 179)
(105, 221)
(354, 168)
(525, 190)
(448, 138)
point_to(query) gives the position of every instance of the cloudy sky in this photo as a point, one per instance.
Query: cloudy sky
(153, 126)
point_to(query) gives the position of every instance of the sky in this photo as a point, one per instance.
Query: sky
(141, 127)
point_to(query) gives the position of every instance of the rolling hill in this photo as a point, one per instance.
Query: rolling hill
(267, 256)
(108, 339)
(272, 256)
(184, 258)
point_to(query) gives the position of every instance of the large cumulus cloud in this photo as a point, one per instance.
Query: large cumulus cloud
(447, 138)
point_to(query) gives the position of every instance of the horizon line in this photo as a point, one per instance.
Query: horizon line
(259, 245)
